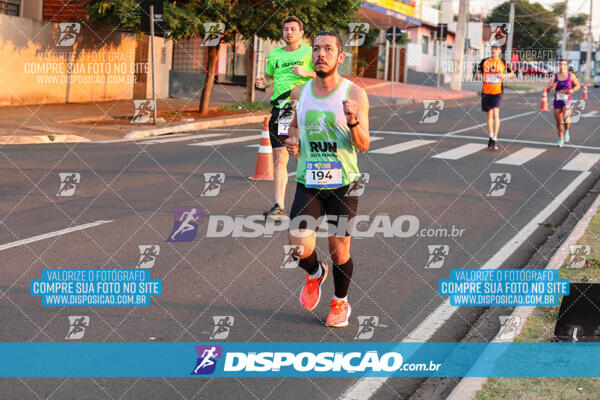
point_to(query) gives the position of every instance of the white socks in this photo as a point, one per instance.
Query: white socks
(317, 274)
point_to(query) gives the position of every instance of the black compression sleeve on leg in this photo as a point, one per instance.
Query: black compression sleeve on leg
(310, 264)
(341, 277)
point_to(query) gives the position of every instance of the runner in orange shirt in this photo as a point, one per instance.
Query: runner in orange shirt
(493, 71)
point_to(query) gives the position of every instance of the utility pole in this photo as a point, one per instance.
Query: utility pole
(438, 43)
(565, 31)
(440, 35)
(588, 60)
(509, 41)
(393, 61)
(459, 45)
(251, 70)
(152, 63)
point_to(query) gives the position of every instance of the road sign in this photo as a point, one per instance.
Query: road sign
(442, 31)
(389, 34)
(159, 27)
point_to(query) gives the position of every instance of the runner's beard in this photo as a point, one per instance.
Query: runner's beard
(325, 74)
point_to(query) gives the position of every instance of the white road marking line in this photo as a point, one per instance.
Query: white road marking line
(292, 173)
(521, 157)
(373, 139)
(140, 139)
(581, 162)
(461, 151)
(115, 141)
(485, 124)
(182, 138)
(233, 129)
(52, 234)
(228, 141)
(591, 114)
(364, 388)
(502, 140)
(397, 148)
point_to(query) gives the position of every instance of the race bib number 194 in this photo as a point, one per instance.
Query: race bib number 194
(321, 175)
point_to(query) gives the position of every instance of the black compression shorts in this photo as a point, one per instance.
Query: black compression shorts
(277, 140)
(311, 204)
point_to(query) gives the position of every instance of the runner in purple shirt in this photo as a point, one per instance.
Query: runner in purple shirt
(565, 84)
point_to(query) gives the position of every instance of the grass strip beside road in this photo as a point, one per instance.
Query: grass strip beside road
(540, 328)
(245, 106)
(517, 87)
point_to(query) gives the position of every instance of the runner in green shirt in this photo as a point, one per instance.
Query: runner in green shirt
(287, 67)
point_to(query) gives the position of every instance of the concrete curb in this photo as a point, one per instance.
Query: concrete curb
(36, 139)
(412, 100)
(532, 90)
(468, 388)
(403, 102)
(509, 91)
(193, 126)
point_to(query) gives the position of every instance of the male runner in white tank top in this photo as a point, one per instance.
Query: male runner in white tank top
(331, 122)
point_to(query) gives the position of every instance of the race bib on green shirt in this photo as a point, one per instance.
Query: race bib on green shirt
(321, 175)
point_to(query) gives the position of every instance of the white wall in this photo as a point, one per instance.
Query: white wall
(31, 9)
(413, 55)
(447, 12)
(474, 32)
(430, 15)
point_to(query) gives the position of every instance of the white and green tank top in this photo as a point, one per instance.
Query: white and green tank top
(327, 157)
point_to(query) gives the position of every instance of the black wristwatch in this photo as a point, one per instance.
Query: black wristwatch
(353, 125)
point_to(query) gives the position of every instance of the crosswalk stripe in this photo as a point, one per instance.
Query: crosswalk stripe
(397, 148)
(227, 141)
(522, 156)
(461, 151)
(485, 123)
(469, 137)
(182, 138)
(373, 139)
(582, 162)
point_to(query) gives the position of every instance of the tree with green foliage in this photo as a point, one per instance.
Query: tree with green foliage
(249, 18)
(182, 19)
(577, 24)
(535, 28)
(578, 28)
(264, 19)
(559, 8)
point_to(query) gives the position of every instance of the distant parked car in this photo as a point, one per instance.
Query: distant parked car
(597, 80)
(529, 68)
(550, 66)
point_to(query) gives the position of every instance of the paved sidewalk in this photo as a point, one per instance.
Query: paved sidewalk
(111, 120)
(384, 92)
(94, 121)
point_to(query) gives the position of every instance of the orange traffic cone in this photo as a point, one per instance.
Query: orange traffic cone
(264, 163)
(585, 95)
(544, 105)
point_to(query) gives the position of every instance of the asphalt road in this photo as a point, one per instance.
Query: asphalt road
(441, 177)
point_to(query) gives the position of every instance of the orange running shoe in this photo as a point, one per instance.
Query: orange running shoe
(339, 314)
(311, 292)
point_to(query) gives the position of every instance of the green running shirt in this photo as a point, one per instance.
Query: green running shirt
(324, 134)
(279, 66)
